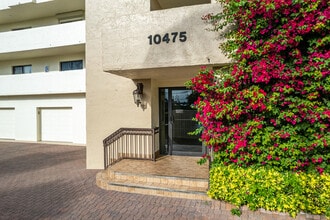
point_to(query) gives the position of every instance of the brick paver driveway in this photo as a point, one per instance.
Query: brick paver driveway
(40, 181)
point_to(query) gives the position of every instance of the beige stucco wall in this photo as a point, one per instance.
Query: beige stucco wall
(126, 44)
(118, 55)
(109, 97)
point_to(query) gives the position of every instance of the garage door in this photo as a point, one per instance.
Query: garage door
(7, 123)
(56, 124)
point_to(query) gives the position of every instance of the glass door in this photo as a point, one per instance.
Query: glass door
(176, 122)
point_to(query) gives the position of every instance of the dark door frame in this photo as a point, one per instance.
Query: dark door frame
(168, 135)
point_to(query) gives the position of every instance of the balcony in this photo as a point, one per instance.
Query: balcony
(66, 82)
(42, 41)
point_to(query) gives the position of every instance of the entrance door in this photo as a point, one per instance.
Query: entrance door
(176, 122)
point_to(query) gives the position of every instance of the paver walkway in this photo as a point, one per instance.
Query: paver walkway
(43, 181)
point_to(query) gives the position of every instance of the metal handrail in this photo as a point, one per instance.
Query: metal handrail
(128, 143)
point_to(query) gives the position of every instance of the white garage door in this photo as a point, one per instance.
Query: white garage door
(56, 125)
(7, 123)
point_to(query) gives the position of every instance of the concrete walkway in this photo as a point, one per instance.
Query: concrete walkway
(44, 181)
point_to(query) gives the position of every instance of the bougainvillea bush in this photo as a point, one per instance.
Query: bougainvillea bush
(272, 106)
(269, 109)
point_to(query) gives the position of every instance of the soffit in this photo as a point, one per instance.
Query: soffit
(165, 73)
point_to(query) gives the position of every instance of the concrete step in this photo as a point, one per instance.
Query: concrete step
(158, 179)
(169, 186)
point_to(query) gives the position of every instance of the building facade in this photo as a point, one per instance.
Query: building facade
(42, 70)
(159, 44)
(68, 70)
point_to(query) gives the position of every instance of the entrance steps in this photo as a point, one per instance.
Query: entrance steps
(170, 176)
(150, 184)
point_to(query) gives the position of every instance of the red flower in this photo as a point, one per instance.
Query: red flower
(320, 170)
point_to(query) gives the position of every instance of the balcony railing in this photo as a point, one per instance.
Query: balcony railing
(43, 83)
(52, 36)
(125, 143)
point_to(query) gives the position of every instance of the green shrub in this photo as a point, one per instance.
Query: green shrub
(272, 190)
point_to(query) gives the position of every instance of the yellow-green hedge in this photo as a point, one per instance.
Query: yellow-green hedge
(271, 190)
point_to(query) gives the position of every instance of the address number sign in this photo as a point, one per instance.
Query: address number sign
(168, 37)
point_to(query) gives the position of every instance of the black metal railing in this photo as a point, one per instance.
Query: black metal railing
(126, 143)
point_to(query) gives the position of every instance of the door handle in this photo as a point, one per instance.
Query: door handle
(171, 119)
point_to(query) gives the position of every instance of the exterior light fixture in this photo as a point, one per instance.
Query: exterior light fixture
(138, 94)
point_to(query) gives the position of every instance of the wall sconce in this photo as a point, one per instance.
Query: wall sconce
(138, 94)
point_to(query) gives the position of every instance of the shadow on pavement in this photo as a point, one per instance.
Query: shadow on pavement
(37, 161)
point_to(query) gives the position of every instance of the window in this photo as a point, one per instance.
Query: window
(71, 65)
(22, 69)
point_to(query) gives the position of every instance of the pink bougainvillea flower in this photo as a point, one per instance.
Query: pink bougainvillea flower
(274, 95)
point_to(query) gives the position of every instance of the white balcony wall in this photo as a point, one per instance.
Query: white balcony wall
(66, 82)
(43, 37)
